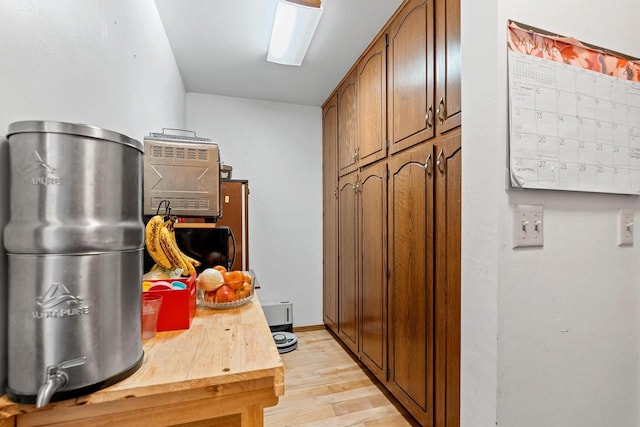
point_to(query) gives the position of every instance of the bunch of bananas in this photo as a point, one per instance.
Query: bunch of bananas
(160, 239)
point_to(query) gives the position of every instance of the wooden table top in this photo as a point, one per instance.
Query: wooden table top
(221, 347)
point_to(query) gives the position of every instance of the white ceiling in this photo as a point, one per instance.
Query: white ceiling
(221, 47)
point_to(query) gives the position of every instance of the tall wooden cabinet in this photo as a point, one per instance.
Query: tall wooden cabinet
(362, 269)
(392, 209)
(235, 215)
(330, 213)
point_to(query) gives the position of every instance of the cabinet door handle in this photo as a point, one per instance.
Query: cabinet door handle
(428, 117)
(356, 154)
(439, 163)
(427, 165)
(440, 111)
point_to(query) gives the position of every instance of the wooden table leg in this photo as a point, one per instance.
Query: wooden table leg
(252, 416)
(8, 422)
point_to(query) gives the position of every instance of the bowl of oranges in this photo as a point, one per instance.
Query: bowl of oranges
(219, 288)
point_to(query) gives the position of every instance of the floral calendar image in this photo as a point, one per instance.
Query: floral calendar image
(574, 115)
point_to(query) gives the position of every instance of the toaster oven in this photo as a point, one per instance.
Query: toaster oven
(183, 170)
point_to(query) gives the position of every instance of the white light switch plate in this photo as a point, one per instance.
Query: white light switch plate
(528, 226)
(625, 227)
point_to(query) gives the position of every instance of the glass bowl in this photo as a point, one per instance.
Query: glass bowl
(237, 293)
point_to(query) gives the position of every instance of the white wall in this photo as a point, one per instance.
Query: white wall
(565, 348)
(278, 148)
(106, 63)
(482, 191)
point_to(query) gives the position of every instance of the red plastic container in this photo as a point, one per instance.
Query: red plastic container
(178, 305)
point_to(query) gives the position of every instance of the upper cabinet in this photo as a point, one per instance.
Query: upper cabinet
(410, 75)
(405, 89)
(347, 125)
(372, 98)
(448, 94)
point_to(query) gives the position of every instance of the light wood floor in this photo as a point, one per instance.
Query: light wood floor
(325, 387)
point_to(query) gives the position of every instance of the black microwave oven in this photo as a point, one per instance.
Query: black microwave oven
(209, 244)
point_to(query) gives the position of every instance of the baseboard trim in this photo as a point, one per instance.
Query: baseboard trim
(308, 328)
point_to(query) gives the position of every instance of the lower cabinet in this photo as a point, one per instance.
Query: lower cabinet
(411, 280)
(347, 261)
(362, 265)
(448, 212)
(399, 275)
(372, 214)
(424, 281)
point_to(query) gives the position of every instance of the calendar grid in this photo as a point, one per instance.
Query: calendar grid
(572, 128)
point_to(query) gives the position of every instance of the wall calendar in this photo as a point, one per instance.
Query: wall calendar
(574, 115)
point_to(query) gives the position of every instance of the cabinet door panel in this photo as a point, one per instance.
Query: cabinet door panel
(347, 262)
(235, 194)
(448, 264)
(372, 98)
(448, 65)
(411, 239)
(410, 75)
(347, 126)
(372, 197)
(330, 213)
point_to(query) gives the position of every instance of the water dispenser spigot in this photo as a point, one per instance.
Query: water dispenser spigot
(55, 379)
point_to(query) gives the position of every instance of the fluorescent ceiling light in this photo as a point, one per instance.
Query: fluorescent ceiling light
(293, 30)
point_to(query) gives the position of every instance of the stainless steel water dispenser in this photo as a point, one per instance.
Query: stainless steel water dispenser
(75, 242)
